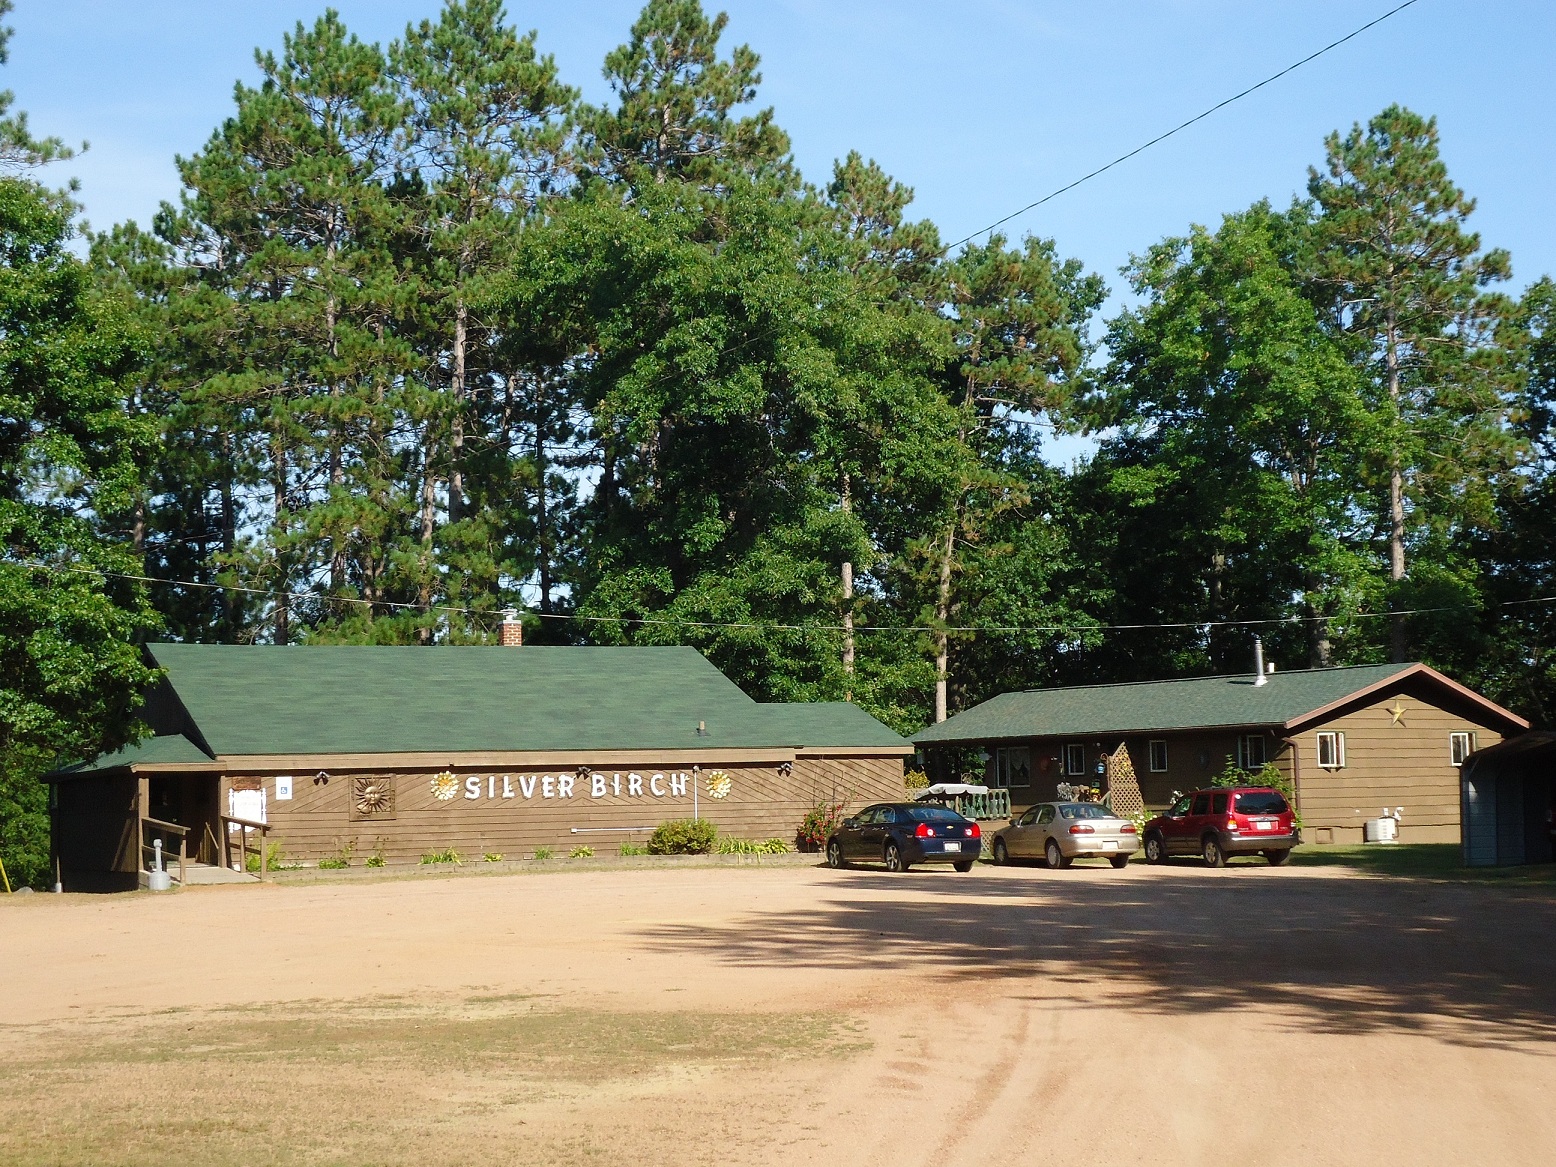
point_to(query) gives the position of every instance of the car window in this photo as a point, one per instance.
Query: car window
(1218, 804)
(1260, 802)
(1045, 816)
(1201, 804)
(886, 815)
(1029, 818)
(867, 816)
(933, 814)
(1083, 810)
(1179, 808)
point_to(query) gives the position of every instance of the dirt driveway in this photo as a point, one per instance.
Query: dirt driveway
(785, 1015)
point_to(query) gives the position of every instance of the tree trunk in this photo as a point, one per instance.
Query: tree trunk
(848, 606)
(429, 500)
(1320, 651)
(542, 528)
(456, 474)
(942, 618)
(283, 584)
(1399, 646)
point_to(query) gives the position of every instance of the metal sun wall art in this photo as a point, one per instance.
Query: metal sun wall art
(719, 784)
(373, 796)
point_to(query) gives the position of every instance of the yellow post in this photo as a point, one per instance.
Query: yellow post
(6, 878)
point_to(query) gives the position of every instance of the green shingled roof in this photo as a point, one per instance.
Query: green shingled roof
(1192, 703)
(246, 699)
(166, 750)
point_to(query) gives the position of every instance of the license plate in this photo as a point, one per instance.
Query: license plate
(953, 846)
(1263, 825)
(1109, 845)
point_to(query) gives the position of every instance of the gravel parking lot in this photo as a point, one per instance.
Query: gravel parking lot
(785, 1014)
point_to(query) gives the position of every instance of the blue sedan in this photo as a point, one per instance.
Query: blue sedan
(902, 834)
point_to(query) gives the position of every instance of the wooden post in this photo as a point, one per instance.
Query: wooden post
(183, 846)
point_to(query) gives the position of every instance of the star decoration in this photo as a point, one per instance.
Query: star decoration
(1397, 713)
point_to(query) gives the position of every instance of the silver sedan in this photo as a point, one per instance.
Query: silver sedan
(1061, 832)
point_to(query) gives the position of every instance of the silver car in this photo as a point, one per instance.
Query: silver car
(1061, 832)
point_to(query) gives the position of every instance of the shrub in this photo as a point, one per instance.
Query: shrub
(683, 837)
(376, 859)
(541, 853)
(915, 780)
(751, 847)
(819, 822)
(581, 852)
(275, 860)
(633, 849)
(447, 855)
(341, 859)
(1269, 775)
(491, 857)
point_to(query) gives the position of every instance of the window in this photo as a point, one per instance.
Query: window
(1029, 818)
(1218, 804)
(1178, 809)
(1084, 810)
(1331, 750)
(1012, 766)
(1250, 751)
(1201, 804)
(1045, 816)
(1158, 756)
(1261, 802)
(1460, 746)
(1075, 759)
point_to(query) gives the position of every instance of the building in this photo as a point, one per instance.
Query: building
(1353, 741)
(401, 752)
(1509, 803)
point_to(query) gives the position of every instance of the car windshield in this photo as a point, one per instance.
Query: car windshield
(934, 814)
(1084, 810)
(1260, 802)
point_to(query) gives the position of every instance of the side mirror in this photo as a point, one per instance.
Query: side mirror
(850, 824)
(1012, 820)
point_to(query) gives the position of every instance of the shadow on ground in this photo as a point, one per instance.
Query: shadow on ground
(1324, 952)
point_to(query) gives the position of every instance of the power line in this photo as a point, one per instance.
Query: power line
(1199, 117)
(759, 626)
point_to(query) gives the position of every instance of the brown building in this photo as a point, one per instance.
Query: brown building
(1353, 741)
(402, 752)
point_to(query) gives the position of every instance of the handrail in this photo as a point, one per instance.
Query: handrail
(244, 827)
(150, 848)
(162, 826)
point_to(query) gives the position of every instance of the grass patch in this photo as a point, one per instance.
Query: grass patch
(329, 1082)
(1438, 861)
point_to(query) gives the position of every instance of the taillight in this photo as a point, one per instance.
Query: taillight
(1231, 824)
(974, 831)
(1083, 829)
(1128, 829)
(924, 831)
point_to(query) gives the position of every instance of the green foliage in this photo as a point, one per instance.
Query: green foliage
(915, 780)
(374, 860)
(819, 823)
(542, 853)
(341, 859)
(731, 846)
(491, 857)
(24, 819)
(683, 837)
(630, 848)
(275, 860)
(581, 852)
(447, 855)
(1267, 775)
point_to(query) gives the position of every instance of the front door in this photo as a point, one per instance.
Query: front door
(1018, 838)
(1178, 825)
(1037, 838)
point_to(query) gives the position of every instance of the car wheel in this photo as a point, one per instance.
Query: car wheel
(964, 865)
(1119, 861)
(1053, 856)
(894, 859)
(1212, 853)
(1001, 852)
(1276, 858)
(835, 855)
(1155, 848)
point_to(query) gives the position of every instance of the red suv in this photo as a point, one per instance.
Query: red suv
(1223, 821)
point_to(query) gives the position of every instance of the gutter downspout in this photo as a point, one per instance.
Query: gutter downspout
(1296, 774)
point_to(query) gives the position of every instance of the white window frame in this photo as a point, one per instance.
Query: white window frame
(1245, 753)
(1075, 750)
(1338, 749)
(1150, 751)
(1454, 738)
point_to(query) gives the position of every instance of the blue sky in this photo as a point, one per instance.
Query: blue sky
(981, 106)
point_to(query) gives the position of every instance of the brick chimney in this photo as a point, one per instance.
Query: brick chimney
(512, 634)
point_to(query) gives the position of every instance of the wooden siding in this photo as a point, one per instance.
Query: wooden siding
(319, 821)
(1387, 765)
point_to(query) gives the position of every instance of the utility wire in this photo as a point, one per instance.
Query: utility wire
(1199, 117)
(757, 626)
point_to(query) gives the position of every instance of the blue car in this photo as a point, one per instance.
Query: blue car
(902, 834)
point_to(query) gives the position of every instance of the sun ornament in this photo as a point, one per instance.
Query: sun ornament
(444, 786)
(718, 784)
(374, 795)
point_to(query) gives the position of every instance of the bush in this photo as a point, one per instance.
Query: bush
(341, 859)
(633, 849)
(683, 837)
(581, 852)
(915, 780)
(819, 822)
(541, 853)
(492, 857)
(447, 855)
(751, 847)
(1268, 775)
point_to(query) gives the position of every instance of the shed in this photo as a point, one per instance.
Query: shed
(1508, 803)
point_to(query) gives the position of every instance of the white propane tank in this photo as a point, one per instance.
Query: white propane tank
(1384, 830)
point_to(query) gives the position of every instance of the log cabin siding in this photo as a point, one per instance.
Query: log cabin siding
(318, 821)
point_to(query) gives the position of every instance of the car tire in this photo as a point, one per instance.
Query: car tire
(1155, 848)
(894, 859)
(1054, 857)
(1277, 857)
(1210, 851)
(964, 866)
(835, 858)
(1119, 862)
(1001, 852)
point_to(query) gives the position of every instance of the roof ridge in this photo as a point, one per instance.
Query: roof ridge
(1209, 677)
